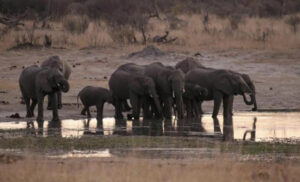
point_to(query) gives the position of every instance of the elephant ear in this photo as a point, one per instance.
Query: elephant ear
(137, 86)
(52, 77)
(227, 84)
(43, 82)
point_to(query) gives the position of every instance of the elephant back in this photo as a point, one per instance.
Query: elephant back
(188, 64)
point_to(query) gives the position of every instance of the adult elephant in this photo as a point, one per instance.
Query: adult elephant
(35, 83)
(189, 64)
(134, 86)
(63, 67)
(221, 85)
(169, 84)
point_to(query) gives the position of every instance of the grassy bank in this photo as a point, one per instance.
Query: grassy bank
(40, 144)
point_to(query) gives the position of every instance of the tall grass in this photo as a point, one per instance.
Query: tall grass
(247, 33)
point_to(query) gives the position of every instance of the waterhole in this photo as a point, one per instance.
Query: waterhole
(269, 126)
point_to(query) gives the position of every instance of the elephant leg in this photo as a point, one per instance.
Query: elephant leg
(59, 103)
(88, 112)
(33, 104)
(118, 109)
(99, 114)
(217, 104)
(227, 115)
(167, 107)
(40, 117)
(83, 111)
(200, 107)
(147, 114)
(28, 111)
(50, 105)
(196, 109)
(136, 105)
(189, 109)
(55, 117)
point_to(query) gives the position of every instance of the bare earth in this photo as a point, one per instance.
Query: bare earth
(276, 75)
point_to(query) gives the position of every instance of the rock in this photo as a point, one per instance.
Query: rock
(16, 115)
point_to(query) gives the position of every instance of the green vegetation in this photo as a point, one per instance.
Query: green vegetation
(41, 144)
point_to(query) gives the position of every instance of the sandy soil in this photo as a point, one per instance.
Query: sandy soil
(133, 169)
(275, 74)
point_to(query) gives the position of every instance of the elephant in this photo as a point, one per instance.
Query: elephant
(36, 82)
(63, 67)
(134, 86)
(221, 85)
(192, 98)
(189, 64)
(94, 96)
(169, 84)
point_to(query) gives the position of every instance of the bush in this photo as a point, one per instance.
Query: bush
(76, 23)
(293, 21)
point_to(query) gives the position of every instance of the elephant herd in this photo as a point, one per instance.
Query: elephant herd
(159, 91)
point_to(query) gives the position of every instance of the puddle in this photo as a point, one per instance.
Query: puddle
(84, 154)
(269, 126)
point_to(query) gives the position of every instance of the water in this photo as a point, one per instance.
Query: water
(269, 126)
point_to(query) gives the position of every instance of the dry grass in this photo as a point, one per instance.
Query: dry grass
(133, 169)
(252, 33)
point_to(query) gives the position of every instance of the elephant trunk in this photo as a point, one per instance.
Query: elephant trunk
(179, 104)
(255, 105)
(156, 100)
(177, 92)
(252, 96)
(64, 85)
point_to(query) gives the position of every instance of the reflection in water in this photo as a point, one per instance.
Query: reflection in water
(268, 126)
(252, 132)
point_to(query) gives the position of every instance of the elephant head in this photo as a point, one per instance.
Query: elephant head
(252, 87)
(195, 91)
(145, 86)
(232, 84)
(50, 80)
(54, 62)
(176, 82)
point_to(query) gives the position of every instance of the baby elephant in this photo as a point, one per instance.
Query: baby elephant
(94, 96)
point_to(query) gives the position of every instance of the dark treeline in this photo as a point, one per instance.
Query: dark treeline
(109, 9)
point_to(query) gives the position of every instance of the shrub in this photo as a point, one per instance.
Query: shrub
(293, 21)
(76, 23)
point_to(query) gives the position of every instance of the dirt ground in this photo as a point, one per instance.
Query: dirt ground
(276, 74)
(134, 169)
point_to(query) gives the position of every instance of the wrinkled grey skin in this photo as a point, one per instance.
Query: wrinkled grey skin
(222, 85)
(190, 64)
(94, 96)
(136, 87)
(63, 67)
(35, 83)
(192, 97)
(169, 84)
